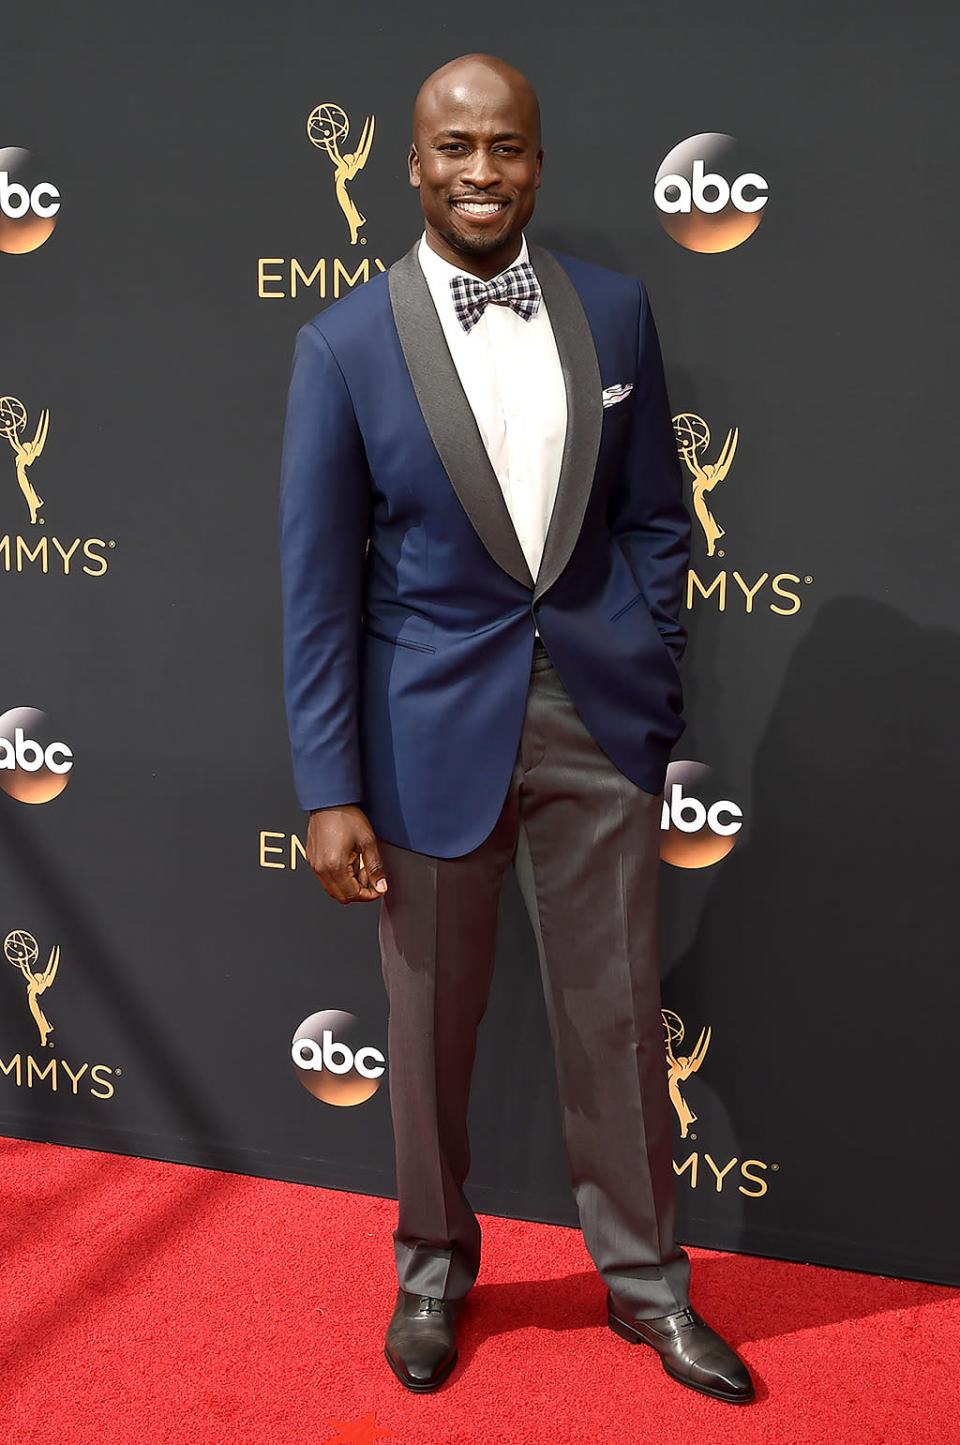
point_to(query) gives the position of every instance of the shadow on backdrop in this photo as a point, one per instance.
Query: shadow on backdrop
(824, 959)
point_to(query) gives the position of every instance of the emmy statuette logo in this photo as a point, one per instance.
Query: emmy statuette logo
(693, 438)
(13, 426)
(700, 1167)
(681, 1066)
(36, 551)
(29, 204)
(24, 1070)
(327, 127)
(22, 950)
(759, 592)
(328, 277)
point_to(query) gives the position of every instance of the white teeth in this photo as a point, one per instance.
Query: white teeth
(479, 208)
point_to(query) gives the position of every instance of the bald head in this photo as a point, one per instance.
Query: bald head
(474, 79)
(476, 160)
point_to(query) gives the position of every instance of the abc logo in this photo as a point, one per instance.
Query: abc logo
(330, 1061)
(28, 203)
(33, 767)
(695, 828)
(705, 197)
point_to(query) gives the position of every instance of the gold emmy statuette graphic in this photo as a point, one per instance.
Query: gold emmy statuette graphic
(327, 126)
(13, 424)
(681, 1066)
(693, 437)
(22, 951)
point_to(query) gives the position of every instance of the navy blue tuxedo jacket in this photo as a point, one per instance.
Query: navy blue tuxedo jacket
(409, 609)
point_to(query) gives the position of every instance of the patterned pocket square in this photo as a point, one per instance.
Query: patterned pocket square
(613, 394)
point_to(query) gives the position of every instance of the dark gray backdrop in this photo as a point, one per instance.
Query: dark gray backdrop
(820, 951)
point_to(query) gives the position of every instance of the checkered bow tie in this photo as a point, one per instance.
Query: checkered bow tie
(518, 288)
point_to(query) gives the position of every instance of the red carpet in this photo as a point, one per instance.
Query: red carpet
(149, 1302)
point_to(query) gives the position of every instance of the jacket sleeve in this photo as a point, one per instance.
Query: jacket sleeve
(647, 515)
(324, 516)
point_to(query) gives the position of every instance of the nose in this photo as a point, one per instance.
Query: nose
(481, 169)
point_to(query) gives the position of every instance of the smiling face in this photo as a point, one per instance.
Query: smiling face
(476, 160)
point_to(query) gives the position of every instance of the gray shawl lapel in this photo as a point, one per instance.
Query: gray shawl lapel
(581, 378)
(449, 420)
(454, 431)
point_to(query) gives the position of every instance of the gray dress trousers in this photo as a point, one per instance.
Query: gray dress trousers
(585, 843)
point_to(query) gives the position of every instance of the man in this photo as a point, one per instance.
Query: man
(483, 545)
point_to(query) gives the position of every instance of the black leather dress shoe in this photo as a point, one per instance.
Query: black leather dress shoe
(421, 1346)
(689, 1350)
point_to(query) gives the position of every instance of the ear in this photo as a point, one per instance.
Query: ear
(413, 167)
(539, 169)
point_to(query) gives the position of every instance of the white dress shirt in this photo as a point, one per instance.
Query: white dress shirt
(510, 371)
